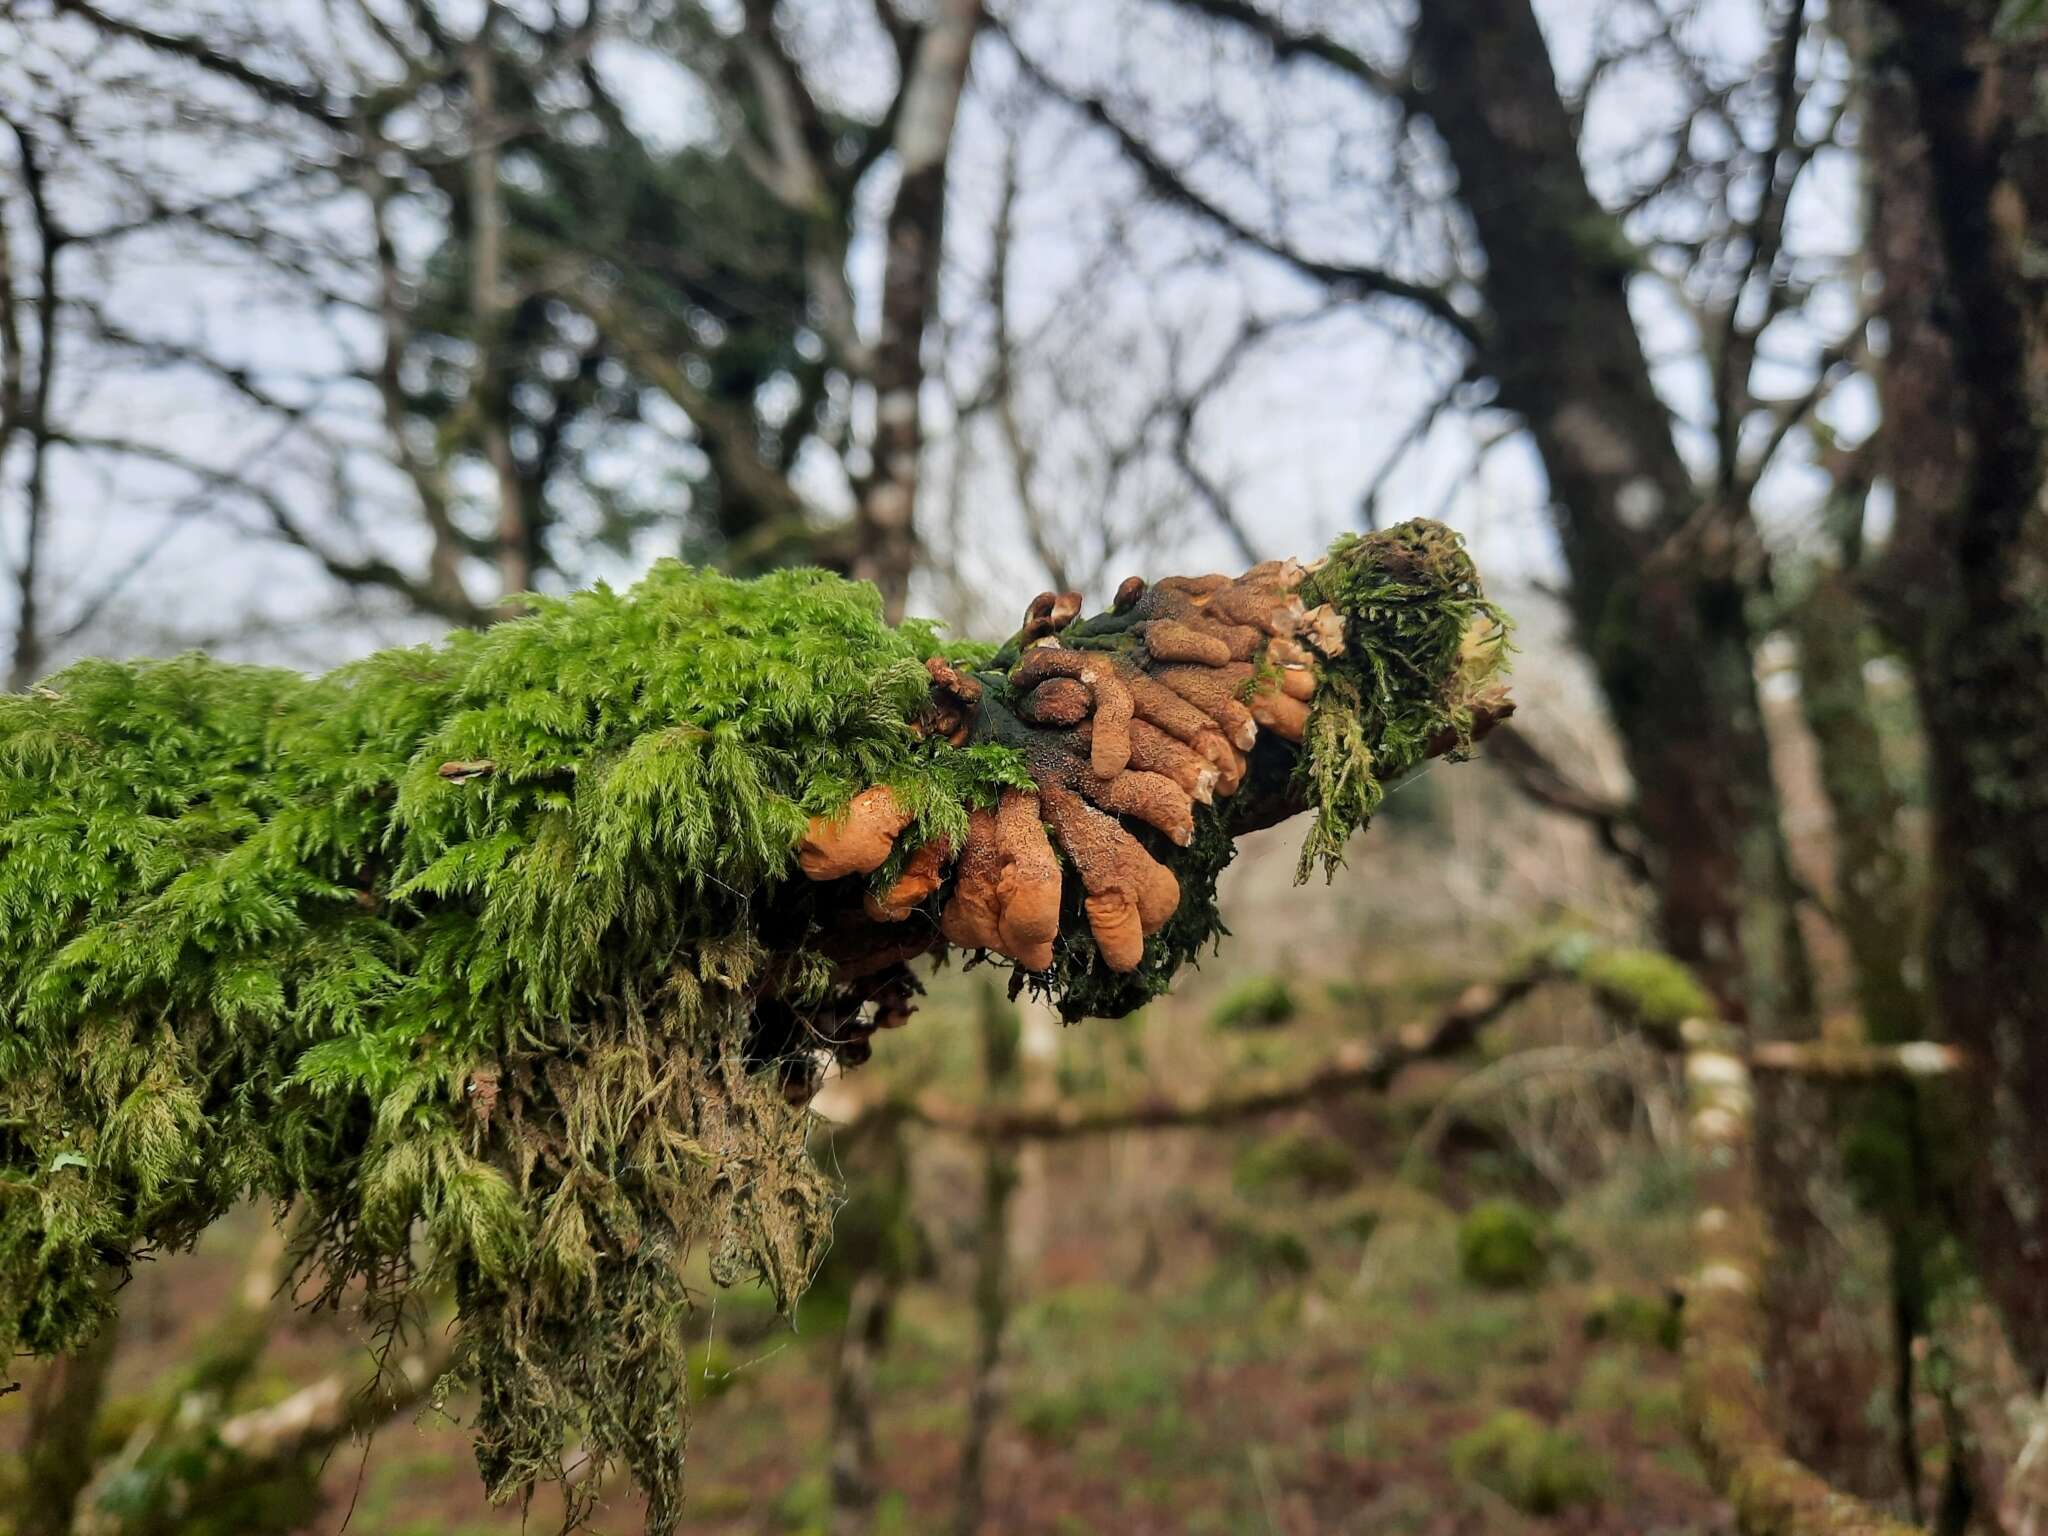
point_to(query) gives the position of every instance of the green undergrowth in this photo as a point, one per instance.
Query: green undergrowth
(1257, 1002)
(1305, 1161)
(1502, 1246)
(1538, 1469)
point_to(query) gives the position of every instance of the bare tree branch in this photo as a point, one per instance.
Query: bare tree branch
(1543, 781)
(488, 399)
(285, 524)
(1172, 186)
(1289, 45)
(1351, 1068)
(32, 417)
(196, 50)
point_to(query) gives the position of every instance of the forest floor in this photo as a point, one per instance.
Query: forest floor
(1263, 1330)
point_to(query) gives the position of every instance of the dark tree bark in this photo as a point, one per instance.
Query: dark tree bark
(1657, 606)
(1958, 153)
(63, 1408)
(1659, 593)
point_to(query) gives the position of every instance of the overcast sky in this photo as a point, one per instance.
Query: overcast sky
(1306, 423)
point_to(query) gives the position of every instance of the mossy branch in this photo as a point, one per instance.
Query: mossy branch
(495, 963)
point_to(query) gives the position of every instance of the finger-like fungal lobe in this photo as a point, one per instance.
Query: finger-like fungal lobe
(969, 918)
(1171, 640)
(920, 878)
(1057, 701)
(1218, 692)
(1130, 894)
(856, 842)
(1109, 747)
(1279, 711)
(1028, 888)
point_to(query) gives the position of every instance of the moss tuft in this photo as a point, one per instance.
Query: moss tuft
(1501, 1245)
(1538, 1469)
(1623, 1317)
(1421, 643)
(1643, 986)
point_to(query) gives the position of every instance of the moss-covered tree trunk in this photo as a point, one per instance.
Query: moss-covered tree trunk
(1877, 909)
(1958, 144)
(1001, 1038)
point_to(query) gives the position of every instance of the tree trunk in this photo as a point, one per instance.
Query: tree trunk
(1000, 1036)
(1957, 152)
(885, 527)
(1659, 607)
(63, 1408)
(1876, 891)
(1666, 633)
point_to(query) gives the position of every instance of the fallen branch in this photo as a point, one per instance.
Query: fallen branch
(1824, 1060)
(1351, 1068)
(1726, 1403)
(325, 1412)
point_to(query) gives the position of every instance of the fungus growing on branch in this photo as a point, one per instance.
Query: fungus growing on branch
(642, 863)
(1144, 723)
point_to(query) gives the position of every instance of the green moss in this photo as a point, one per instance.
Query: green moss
(1501, 1245)
(254, 944)
(1138, 1392)
(1539, 1470)
(1626, 1318)
(1643, 986)
(1263, 1248)
(1257, 1002)
(1421, 641)
(1647, 986)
